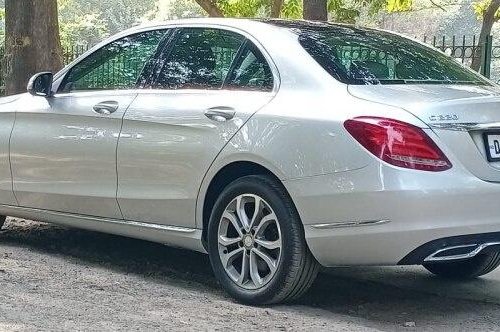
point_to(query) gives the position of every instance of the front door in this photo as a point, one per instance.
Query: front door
(63, 148)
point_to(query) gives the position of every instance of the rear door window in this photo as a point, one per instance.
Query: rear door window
(198, 58)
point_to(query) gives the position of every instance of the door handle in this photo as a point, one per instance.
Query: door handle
(220, 113)
(106, 107)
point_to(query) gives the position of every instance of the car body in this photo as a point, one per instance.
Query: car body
(150, 162)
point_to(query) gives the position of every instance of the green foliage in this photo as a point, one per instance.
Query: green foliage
(343, 11)
(480, 7)
(173, 9)
(346, 11)
(292, 9)
(89, 21)
(399, 5)
(86, 22)
(181, 8)
(374, 6)
(244, 8)
(88, 29)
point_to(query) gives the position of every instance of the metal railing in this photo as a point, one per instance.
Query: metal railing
(73, 52)
(69, 54)
(467, 48)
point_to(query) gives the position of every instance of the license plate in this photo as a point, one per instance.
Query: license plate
(492, 142)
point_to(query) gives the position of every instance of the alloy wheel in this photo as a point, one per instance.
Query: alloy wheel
(249, 241)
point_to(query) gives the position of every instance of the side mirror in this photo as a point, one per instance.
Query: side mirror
(41, 84)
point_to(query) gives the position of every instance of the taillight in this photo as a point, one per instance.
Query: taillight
(398, 143)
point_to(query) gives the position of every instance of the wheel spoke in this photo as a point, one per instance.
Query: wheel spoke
(254, 271)
(244, 268)
(268, 260)
(256, 212)
(227, 241)
(228, 258)
(264, 223)
(242, 215)
(233, 220)
(269, 244)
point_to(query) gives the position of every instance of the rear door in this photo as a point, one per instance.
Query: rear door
(209, 83)
(63, 148)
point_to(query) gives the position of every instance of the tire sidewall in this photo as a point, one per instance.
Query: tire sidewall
(290, 235)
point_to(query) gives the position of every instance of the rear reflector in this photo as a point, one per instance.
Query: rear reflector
(398, 143)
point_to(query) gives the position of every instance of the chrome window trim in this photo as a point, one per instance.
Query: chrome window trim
(59, 76)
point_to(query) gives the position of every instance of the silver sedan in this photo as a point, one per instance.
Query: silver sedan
(274, 146)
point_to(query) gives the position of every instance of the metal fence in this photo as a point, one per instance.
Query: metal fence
(467, 48)
(69, 54)
(462, 48)
(73, 52)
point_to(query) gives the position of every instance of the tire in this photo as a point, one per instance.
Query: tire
(295, 268)
(2, 221)
(467, 269)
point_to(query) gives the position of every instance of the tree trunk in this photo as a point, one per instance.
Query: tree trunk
(19, 58)
(316, 10)
(32, 41)
(210, 7)
(46, 39)
(276, 6)
(488, 20)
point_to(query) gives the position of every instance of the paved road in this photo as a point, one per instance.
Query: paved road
(54, 278)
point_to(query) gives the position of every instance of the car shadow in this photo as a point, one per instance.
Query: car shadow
(373, 294)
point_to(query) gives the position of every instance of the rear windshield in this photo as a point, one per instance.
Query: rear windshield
(363, 56)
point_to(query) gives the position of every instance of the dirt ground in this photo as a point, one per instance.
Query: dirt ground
(54, 278)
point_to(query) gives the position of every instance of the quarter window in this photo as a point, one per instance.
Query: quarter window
(198, 59)
(251, 71)
(117, 65)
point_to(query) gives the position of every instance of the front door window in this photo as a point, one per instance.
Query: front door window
(116, 66)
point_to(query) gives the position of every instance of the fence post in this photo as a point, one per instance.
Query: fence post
(486, 56)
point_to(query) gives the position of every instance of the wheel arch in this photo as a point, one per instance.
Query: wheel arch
(223, 177)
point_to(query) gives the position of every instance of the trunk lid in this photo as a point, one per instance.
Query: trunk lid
(460, 115)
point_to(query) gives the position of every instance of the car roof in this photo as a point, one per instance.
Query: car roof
(249, 23)
(242, 23)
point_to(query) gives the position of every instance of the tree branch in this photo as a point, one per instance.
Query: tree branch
(210, 7)
(434, 4)
(438, 5)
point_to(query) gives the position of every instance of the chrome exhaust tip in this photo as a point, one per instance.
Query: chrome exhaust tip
(458, 252)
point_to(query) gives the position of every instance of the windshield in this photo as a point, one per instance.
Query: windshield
(364, 56)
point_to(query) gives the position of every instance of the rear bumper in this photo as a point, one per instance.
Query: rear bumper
(380, 214)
